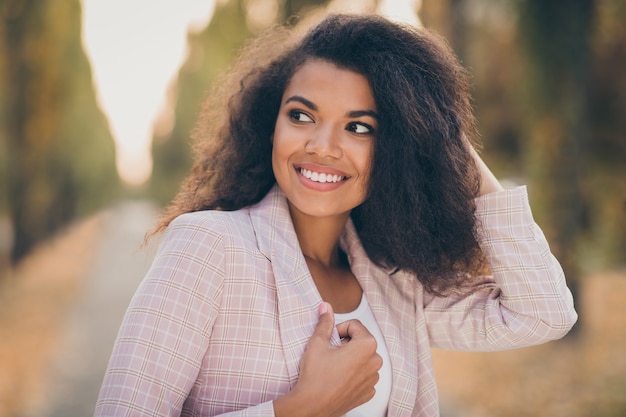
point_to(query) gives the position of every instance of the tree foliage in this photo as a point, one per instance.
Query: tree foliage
(59, 151)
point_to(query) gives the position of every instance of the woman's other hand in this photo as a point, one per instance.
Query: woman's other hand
(488, 181)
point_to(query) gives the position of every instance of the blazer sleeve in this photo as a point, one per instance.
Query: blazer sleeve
(526, 300)
(167, 327)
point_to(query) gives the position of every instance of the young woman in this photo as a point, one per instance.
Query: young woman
(337, 224)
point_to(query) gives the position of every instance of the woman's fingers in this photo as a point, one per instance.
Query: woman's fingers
(340, 377)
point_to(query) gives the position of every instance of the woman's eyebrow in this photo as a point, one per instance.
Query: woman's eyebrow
(360, 113)
(302, 100)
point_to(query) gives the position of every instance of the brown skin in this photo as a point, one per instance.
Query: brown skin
(488, 181)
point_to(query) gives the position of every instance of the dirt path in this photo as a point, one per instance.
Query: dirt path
(80, 361)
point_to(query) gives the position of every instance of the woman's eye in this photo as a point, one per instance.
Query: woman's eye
(299, 116)
(360, 128)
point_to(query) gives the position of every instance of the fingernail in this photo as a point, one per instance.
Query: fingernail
(323, 308)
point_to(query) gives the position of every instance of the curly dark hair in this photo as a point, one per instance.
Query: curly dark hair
(419, 215)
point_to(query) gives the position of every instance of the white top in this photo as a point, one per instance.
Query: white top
(377, 406)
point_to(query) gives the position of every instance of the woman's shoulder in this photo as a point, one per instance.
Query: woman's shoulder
(207, 224)
(224, 222)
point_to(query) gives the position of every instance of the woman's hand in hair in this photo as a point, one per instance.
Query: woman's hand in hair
(333, 379)
(488, 181)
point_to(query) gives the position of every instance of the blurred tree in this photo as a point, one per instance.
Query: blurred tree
(459, 27)
(60, 152)
(555, 38)
(605, 179)
(210, 53)
(4, 192)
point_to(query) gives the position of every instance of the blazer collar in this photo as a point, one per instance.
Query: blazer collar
(298, 299)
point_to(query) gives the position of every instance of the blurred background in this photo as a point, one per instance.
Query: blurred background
(97, 102)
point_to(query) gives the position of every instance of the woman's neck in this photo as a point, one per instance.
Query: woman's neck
(319, 236)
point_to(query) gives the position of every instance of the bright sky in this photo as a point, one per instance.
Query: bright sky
(136, 48)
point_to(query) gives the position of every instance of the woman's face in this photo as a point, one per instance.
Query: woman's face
(324, 138)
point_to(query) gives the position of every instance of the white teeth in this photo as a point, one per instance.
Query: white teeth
(320, 177)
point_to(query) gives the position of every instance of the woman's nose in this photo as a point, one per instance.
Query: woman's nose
(324, 142)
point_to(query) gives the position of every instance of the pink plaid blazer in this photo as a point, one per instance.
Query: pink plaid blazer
(220, 322)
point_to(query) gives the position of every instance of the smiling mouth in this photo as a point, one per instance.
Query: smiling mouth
(321, 177)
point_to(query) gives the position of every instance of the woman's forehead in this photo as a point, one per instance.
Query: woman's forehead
(318, 79)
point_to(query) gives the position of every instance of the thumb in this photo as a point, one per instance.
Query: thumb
(325, 328)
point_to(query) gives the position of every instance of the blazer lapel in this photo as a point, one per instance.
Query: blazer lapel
(297, 296)
(392, 299)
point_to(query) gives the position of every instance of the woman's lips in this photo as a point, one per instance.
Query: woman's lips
(322, 178)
